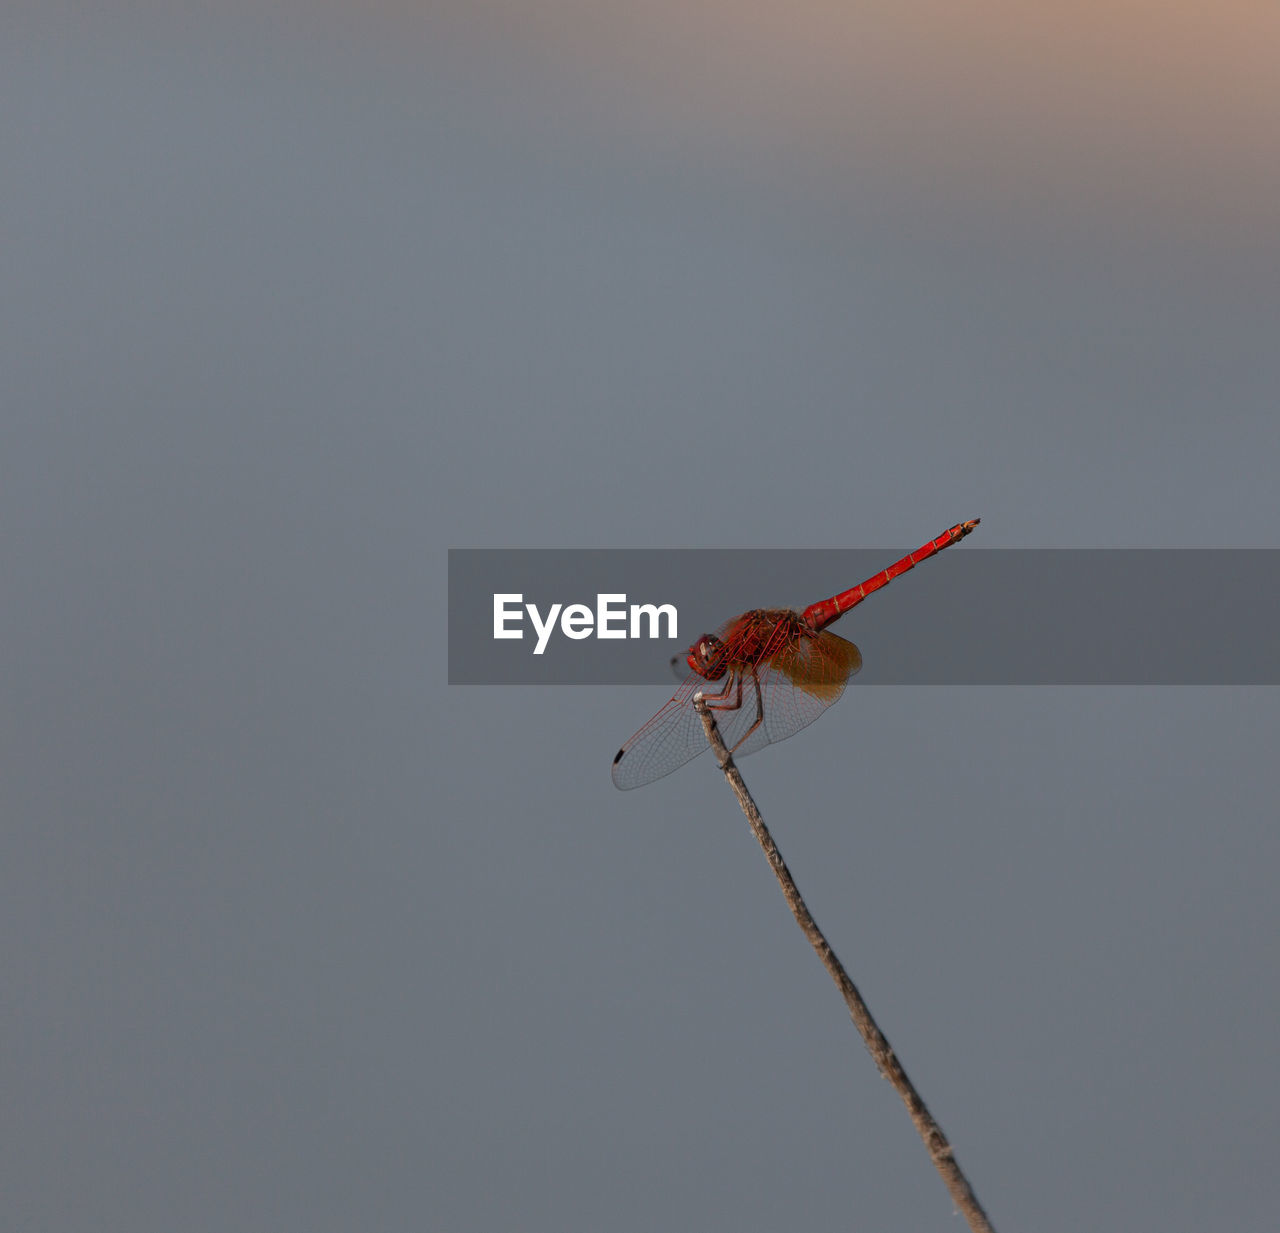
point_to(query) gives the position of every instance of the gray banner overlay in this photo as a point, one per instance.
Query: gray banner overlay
(968, 616)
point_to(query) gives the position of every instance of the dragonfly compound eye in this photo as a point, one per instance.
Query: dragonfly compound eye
(706, 657)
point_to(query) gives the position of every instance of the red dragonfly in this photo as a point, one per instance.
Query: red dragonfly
(780, 670)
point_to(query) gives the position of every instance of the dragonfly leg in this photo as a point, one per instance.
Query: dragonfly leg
(755, 680)
(720, 701)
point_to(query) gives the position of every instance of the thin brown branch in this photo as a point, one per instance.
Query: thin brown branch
(940, 1151)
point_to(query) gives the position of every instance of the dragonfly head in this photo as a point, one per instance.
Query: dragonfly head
(707, 658)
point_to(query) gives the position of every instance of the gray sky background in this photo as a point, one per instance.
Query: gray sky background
(294, 936)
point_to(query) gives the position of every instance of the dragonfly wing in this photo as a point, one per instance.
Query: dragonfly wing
(799, 683)
(819, 666)
(785, 690)
(669, 740)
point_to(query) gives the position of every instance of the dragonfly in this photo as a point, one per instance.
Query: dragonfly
(766, 674)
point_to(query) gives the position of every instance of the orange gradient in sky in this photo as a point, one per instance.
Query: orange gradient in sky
(1139, 101)
(1046, 98)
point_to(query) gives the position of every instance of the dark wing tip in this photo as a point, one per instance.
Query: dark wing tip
(618, 756)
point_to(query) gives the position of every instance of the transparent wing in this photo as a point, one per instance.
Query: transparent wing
(764, 699)
(797, 684)
(669, 740)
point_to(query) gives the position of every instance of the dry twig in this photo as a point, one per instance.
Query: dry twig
(940, 1151)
